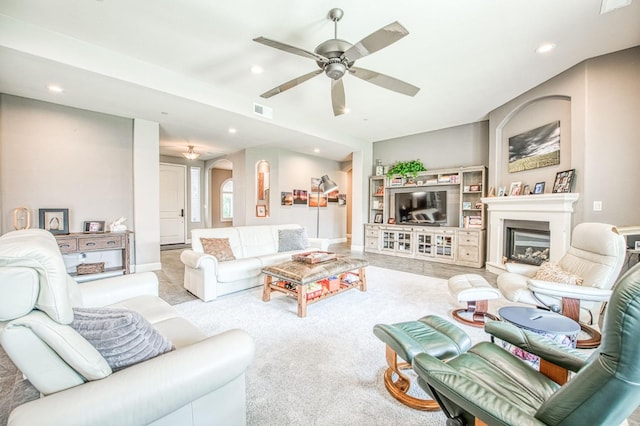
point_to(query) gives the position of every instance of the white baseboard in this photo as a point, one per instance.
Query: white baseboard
(146, 267)
(357, 248)
(495, 268)
(337, 240)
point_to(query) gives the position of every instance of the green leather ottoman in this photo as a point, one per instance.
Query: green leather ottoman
(431, 334)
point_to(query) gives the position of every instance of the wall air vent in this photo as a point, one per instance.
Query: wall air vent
(262, 110)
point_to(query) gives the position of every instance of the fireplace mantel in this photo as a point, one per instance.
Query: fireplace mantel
(553, 208)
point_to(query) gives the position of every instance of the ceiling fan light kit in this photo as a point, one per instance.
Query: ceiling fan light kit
(337, 57)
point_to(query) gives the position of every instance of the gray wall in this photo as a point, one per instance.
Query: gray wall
(60, 157)
(466, 145)
(598, 104)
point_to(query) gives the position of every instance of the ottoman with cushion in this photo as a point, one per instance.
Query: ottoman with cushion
(477, 292)
(431, 334)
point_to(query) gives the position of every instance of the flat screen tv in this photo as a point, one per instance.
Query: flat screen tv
(421, 208)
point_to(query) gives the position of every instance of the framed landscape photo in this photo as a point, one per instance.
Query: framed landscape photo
(539, 188)
(564, 181)
(55, 221)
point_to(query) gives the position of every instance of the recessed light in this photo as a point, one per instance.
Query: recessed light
(256, 69)
(347, 110)
(232, 130)
(545, 48)
(316, 150)
(55, 88)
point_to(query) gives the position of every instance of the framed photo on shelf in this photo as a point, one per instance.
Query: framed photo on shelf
(93, 226)
(501, 191)
(261, 210)
(396, 182)
(564, 181)
(377, 218)
(539, 188)
(474, 188)
(515, 188)
(55, 221)
(526, 190)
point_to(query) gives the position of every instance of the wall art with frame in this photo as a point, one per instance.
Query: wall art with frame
(539, 147)
(55, 221)
(564, 181)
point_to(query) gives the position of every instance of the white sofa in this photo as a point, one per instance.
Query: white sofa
(254, 247)
(201, 381)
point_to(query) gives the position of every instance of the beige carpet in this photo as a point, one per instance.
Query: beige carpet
(326, 369)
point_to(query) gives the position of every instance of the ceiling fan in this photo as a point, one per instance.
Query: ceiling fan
(336, 57)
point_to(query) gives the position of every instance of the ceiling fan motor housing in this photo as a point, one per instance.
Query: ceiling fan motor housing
(333, 50)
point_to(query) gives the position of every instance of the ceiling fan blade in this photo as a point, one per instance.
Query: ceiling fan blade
(290, 49)
(385, 81)
(290, 84)
(376, 41)
(337, 97)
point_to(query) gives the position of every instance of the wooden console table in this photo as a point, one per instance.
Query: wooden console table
(82, 242)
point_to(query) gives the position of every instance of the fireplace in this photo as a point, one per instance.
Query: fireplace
(555, 209)
(527, 245)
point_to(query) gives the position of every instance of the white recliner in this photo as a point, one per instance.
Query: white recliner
(596, 255)
(201, 381)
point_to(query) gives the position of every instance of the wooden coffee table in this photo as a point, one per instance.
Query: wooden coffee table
(300, 274)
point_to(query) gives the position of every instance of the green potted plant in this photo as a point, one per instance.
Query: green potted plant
(406, 168)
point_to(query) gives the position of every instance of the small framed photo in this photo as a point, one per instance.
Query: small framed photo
(474, 188)
(261, 210)
(539, 188)
(396, 182)
(526, 190)
(55, 221)
(93, 226)
(465, 188)
(466, 205)
(564, 181)
(377, 218)
(515, 188)
(502, 191)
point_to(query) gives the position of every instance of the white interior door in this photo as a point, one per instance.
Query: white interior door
(172, 203)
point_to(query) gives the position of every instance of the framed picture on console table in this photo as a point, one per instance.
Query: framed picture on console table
(564, 181)
(55, 221)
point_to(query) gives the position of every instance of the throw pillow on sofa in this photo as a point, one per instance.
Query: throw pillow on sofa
(218, 248)
(292, 239)
(121, 336)
(550, 271)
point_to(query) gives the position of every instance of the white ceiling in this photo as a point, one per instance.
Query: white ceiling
(186, 64)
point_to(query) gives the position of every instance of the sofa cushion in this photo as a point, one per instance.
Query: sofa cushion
(122, 337)
(239, 269)
(292, 239)
(550, 271)
(257, 240)
(218, 248)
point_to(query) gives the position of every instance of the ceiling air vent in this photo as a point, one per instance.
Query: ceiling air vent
(262, 110)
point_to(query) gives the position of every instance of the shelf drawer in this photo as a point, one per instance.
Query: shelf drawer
(371, 243)
(67, 245)
(468, 253)
(372, 233)
(100, 243)
(470, 239)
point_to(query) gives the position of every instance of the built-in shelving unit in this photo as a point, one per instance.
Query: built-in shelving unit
(463, 243)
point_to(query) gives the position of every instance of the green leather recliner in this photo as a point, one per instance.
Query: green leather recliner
(492, 385)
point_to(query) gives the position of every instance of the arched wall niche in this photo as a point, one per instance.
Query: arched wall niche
(263, 184)
(527, 116)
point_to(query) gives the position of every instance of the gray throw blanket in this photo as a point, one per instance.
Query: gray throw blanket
(121, 336)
